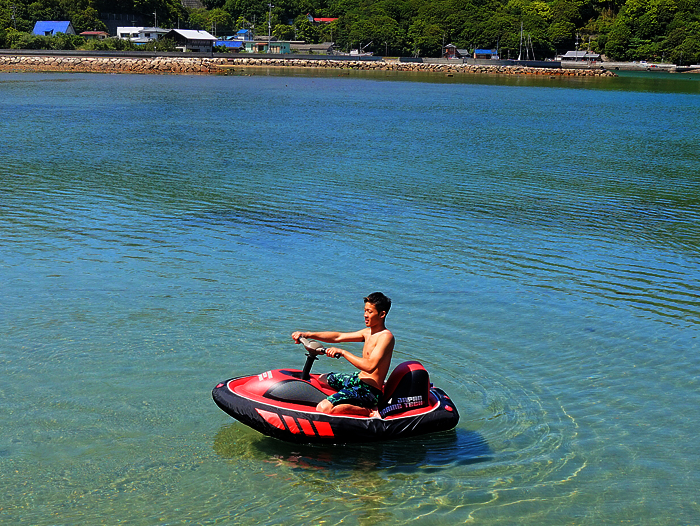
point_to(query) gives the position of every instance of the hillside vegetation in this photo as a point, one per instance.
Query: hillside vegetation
(654, 30)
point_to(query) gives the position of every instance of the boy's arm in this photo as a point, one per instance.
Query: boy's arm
(330, 336)
(369, 364)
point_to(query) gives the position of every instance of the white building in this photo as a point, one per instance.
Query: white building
(192, 40)
(140, 35)
(577, 56)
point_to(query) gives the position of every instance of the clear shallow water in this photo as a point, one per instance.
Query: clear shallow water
(539, 239)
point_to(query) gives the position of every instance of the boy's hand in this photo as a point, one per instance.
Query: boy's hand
(334, 352)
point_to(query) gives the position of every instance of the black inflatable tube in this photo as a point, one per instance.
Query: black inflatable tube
(305, 425)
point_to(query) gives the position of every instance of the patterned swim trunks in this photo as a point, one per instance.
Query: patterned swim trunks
(352, 390)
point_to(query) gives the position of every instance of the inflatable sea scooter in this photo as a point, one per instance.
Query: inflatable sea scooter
(281, 403)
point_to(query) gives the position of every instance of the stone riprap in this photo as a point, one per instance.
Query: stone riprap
(110, 64)
(395, 65)
(198, 65)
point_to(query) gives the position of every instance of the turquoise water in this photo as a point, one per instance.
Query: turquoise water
(539, 238)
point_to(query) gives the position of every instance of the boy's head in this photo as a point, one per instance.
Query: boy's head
(380, 302)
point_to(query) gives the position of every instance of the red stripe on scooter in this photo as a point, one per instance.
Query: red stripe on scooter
(324, 429)
(291, 424)
(271, 418)
(306, 427)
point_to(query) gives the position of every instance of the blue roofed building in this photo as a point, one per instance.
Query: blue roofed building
(486, 54)
(244, 34)
(232, 45)
(49, 29)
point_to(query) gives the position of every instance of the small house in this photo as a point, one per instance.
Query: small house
(194, 40)
(321, 20)
(231, 45)
(579, 56)
(277, 47)
(486, 54)
(243, 34)
(452, 52)
(49, 29)
(140, 34)
(324, 48)
(280, 47)
(94, 35)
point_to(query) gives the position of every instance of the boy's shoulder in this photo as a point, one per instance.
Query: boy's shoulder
(383, 334)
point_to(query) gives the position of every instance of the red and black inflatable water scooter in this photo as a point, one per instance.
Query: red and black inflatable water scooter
(281, 403)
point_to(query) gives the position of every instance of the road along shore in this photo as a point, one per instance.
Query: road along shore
(227, 65)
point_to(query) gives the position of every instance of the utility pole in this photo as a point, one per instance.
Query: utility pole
(155, 19)
(588, 52)
(269, 27)
(14, 15)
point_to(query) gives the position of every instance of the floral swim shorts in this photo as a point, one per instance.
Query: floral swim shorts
(352, 390)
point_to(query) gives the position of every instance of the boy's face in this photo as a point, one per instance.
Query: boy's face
(372, 315)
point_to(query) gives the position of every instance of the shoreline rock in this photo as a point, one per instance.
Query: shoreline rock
(416, 67)
(224, 64)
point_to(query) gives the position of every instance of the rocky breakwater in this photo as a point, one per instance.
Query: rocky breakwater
(154, 65)
(226, 64)
(447, 69)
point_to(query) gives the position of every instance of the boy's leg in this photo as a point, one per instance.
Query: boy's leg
(324, 406)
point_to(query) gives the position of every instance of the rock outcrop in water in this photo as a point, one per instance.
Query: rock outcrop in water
(198, 65)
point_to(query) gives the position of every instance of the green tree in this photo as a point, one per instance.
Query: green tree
(426, 38)
(648, 18)
(46, 10)
(284, 32)
(328, 32)
(623, 29)
(164, 44)
(219, 19)
(252, 10)
(306, 30)
(198, 19)
(87, 20)
(380, 30)
(618, 40)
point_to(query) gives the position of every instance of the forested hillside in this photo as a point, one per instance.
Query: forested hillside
(657, 30)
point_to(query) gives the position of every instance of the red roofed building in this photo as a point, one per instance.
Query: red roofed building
(320, 20)
(98, 35)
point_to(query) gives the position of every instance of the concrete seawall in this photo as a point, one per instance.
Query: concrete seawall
(227, 64)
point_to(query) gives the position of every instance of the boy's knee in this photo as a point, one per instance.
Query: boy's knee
(324, 406)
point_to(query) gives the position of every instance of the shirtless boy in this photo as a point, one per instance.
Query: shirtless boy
(358, 393)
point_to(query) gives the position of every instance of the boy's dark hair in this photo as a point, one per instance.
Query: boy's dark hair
(380, 301)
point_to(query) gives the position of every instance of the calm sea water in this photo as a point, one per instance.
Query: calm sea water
(540, 240)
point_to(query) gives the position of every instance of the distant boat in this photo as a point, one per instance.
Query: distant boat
(356, 52)
(695, 68)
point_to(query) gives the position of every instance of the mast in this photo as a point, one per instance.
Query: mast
(520, 51)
